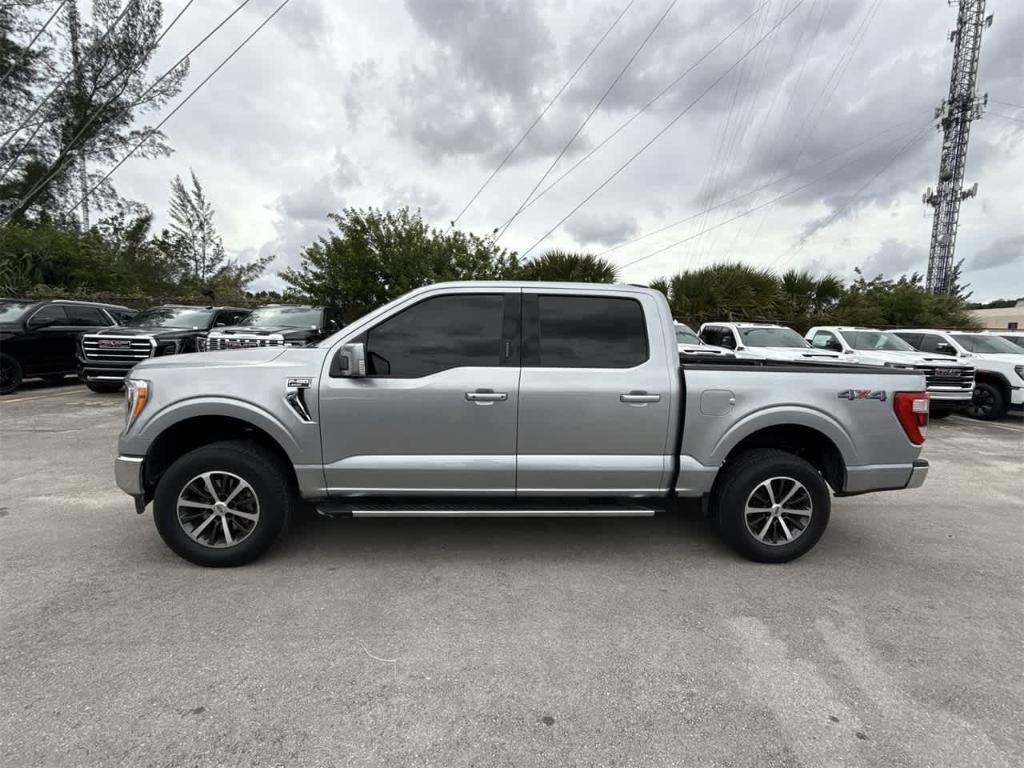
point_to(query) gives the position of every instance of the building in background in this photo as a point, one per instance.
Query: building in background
(1001, 319)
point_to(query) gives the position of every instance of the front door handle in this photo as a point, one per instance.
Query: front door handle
(638, 396)
(486, 396)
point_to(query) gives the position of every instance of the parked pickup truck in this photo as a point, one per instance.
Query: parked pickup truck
(950, 383)
(275, 325)
(492, 398)
(763, 341)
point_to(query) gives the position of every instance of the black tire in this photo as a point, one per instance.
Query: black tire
(104, 387)
(268, 482)
(743, 478)
(988, 403)
(10, 374)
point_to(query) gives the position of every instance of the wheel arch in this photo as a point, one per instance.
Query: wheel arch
(807, 442)
(997, 379)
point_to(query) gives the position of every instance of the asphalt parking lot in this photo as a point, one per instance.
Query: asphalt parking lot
(625, 642)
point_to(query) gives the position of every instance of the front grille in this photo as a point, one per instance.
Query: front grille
(113, 349)
(237, 341)
(938, 377)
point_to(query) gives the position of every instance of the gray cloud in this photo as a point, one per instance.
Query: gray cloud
(894, 258)
(1005, 250)
(590, 228)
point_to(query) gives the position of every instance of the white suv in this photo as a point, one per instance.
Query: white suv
(689, 344)
(998, 364)
(950, 382)
(761, 341)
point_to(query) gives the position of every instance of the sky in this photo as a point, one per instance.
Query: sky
(416, 102)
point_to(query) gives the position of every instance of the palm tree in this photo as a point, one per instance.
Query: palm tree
(725, 292)
(565, 266)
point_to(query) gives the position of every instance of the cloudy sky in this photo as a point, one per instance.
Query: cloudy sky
(393, 102)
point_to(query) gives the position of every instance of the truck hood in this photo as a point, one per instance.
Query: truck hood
(234, 357)
(902, 357)
(148, 332)
(260, 330)
(703, 349)
(791, 353)
(997, 357)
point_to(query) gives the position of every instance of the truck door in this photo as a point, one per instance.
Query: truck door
(595, 396)
(436, 412)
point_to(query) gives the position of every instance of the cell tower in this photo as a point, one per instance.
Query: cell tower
(955, 115)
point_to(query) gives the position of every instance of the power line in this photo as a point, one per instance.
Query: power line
(41, 184)
(543, 112)
(640, 111)
(748, 193)
(182, 103)
(53, 90)
(28, 48)
(586, 120)
(1006, 117)
(672, 122)
(765, 204)
(1007, 103)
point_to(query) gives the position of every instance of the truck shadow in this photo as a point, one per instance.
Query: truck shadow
(507, 539)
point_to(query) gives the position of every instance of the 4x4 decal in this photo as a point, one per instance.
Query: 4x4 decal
(863, 394)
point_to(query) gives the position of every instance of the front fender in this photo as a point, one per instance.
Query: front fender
(138, 440)
(785, 416)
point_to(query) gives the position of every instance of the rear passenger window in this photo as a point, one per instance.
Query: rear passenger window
(586, 332)
(438, 334)
(85, 316)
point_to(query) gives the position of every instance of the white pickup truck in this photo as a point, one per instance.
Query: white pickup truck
(998, 365)
(509, 398)
(764, 341)
(950, 382)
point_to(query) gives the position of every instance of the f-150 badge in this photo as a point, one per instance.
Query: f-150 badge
(862, 394)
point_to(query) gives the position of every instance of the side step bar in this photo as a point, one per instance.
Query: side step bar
(398, 508)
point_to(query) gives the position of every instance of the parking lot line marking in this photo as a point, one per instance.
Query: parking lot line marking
(47, 396)
(983, 424)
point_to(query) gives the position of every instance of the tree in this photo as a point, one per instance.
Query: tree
(193, 241)
(724, 292)
(376, 256)
(569, 267)
(91, 115)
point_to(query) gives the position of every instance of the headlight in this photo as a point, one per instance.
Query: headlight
(136, 396)
(1020, 371)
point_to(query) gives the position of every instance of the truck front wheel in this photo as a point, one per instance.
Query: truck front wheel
(223, 504)
(771, 506)
(989, 403)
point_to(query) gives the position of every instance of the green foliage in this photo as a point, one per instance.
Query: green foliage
(192, 243)
(799, 299)
(563, 266)
(376, 256)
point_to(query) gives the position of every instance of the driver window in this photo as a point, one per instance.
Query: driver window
(437, 334)
(825, 340)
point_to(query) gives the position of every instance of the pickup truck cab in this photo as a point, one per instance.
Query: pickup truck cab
(950, 382)
(998, 366)
(275, 325)
(690, 344)
(508, 398)
(763, 341)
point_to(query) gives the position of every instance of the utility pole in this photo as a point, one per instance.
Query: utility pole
(955, 115)
(78, 105)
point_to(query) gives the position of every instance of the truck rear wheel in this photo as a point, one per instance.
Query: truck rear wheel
(772, 506)
(10, 374)
(223, 504)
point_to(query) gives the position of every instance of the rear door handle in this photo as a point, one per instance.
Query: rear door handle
(638, 396)
(486, 396)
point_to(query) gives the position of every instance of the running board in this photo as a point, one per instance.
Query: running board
(397, 508)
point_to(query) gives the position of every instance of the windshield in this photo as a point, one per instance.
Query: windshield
(291, 316)
(985, 345)
(13, 310)
(772, 337)
(877, 340)
(685, 336)
(173, 317)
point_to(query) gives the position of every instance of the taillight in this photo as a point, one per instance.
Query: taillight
(912, 412)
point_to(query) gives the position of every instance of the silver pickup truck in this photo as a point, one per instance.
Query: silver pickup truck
(497, 399)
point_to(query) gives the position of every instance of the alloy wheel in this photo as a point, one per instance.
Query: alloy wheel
(218, 509)
(778, 511)
(982, 403)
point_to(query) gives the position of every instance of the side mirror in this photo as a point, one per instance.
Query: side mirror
(35, 323)
(350, 362)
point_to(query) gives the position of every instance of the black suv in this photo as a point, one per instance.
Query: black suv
(38, 338)
(276, 325)
(106, 357)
